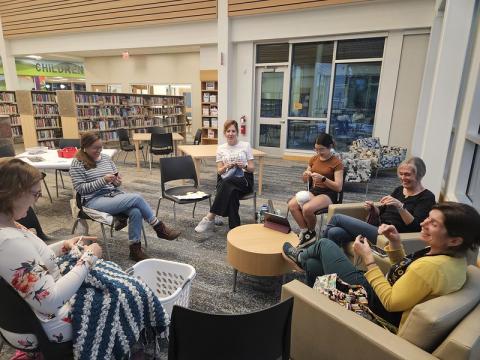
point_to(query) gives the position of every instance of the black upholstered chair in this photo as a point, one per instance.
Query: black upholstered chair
(262, 335)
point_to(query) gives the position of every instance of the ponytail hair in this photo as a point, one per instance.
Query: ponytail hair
(325, 140)
(86, 141)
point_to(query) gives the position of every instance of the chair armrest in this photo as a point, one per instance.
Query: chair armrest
(355, 210)
(322, 329)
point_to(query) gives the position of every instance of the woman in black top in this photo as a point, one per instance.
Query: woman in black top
(405, 208)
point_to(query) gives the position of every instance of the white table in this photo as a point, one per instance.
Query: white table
(139, 137)
(52, 161)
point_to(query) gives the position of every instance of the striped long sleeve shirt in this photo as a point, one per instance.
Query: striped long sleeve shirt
(89, 183)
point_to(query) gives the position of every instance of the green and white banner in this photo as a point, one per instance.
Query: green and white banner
(49, 68)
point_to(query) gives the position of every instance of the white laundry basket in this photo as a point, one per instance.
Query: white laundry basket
(170, 281)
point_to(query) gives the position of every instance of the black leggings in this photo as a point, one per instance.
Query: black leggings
(31, 222)
(227, 199)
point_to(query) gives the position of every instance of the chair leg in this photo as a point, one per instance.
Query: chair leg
(125, 158)
(366, 190)
(193, 212)
(150, 161)
(75, 225)
(255, 207)
(158, 206)
(48, 191)
(56, 181)
(105, 241)
(144, 160)
(144, 236)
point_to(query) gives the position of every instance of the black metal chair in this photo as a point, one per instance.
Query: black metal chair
(198, 137)
(62, 144)
(17, 316)
(261, 335)
(101, 218)
(125, 145)
(179, 168)
(253, 196)
(160, 144)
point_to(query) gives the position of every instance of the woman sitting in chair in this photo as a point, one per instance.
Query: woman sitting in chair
(449, 232)
(405, 208)
(324, 175)
(234, 178)
(32, 268)
(95, 177)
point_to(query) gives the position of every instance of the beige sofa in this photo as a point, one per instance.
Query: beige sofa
(446, 328)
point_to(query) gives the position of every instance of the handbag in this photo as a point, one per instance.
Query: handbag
(351, 297)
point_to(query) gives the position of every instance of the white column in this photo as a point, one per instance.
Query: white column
(427, 83)
(445, 90)
(8, 62)
(224, 67)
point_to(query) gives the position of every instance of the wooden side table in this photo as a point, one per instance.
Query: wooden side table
(256, 250)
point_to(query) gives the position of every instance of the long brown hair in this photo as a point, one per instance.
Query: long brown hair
(86, 141)
(16, 178)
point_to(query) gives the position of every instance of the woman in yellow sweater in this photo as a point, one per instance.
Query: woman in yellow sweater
(449, 232)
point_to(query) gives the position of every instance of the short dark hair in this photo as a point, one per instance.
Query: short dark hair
(461, 220)
(418, 166)
(16, 178)
(229, 123)
(325, 140)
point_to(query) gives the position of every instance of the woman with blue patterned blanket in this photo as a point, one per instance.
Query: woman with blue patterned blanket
(75, 295)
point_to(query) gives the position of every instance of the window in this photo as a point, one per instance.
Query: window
(272, 95)
(360, 48)
(302, 133)
(354, 100)
(272, 53)
(310, 79)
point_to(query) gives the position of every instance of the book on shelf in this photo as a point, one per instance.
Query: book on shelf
(205, 110)
(214, 123)
(210, 85)
(206, 123)
(213, 111)
(206, 97)
(213, 98)
(211, 134)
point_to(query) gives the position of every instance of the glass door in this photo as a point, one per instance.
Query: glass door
(271, 109)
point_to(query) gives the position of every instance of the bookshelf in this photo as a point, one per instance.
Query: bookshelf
(39, 117)
(8, 108)
(209, 111)
(108, 112)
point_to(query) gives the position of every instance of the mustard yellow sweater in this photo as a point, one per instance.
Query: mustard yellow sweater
(425, 278)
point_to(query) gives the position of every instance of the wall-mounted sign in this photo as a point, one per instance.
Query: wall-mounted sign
(49, 68)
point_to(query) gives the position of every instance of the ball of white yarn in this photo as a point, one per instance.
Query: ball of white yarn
(302, 197)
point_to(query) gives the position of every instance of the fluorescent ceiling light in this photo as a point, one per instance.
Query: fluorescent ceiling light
(35, 57)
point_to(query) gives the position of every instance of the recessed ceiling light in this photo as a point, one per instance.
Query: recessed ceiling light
(34, 57)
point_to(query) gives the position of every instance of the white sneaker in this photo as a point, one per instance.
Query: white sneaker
(218, 221)
(204, 225)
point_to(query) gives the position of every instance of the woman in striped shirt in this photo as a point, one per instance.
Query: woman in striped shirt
(95, 177)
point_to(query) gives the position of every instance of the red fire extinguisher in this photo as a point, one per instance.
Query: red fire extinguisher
(243, 125)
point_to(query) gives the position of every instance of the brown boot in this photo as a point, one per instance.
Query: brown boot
(164, 232)
(136, 252)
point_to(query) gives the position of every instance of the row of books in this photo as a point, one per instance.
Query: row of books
(15, 120)
(43, 97)
(8, 109)
(109, 136)
(164, 111)
(213, 123)
(102, 125)
(45, 109)
(49, 134)
(209, 110)
(17, 131)
(7, 97)
(51, 144)
(165, 101)
(97, 99)
(99, 111)
(209, 98)
(47, 122)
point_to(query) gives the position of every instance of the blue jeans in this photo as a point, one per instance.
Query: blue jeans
(325, 257)
(343, 229)
(133, 205)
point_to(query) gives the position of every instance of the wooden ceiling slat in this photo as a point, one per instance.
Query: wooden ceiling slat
(132, 24)
(99, 11)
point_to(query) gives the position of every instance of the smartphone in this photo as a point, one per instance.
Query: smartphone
(375, 249)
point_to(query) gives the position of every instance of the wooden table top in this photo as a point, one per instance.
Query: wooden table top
(208, 151)
(148, 137)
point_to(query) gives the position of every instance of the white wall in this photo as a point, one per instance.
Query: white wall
(412, 64)
(148, 69)
(209, 57)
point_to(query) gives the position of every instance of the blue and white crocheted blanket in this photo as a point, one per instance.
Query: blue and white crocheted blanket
(110, 310)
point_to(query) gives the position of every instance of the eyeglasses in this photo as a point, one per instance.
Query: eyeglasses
(36, 194)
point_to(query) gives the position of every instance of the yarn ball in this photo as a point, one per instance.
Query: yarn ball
(303, 196)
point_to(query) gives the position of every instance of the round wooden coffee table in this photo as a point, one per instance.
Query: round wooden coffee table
(256, 250)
